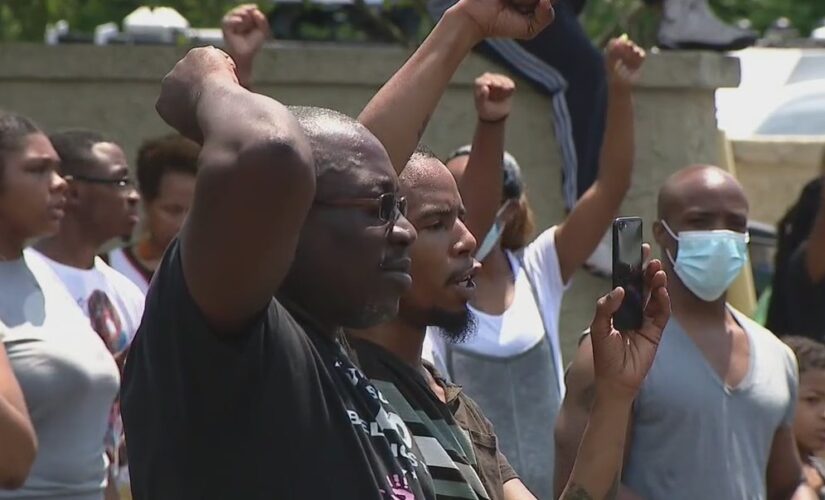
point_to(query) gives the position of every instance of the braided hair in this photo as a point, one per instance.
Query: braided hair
(793, 230)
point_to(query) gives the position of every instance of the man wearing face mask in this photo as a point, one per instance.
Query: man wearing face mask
(713, 418)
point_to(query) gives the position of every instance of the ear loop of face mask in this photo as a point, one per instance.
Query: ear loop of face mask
(675, 238)
(493, 236)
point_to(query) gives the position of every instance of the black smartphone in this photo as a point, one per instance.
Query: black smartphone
(627, 272)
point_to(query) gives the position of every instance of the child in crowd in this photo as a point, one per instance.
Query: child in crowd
(809, 423)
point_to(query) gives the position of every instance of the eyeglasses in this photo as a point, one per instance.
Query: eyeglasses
(121, 183)
(390, 206)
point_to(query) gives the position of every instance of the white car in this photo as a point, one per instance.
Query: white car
(782, 92)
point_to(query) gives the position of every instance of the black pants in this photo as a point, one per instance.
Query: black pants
(564, 46)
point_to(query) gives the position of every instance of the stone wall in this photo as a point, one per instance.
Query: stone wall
(773, 171)
(113, 89)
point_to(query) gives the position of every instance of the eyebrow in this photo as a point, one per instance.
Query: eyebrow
(41, 160)
(122, 170)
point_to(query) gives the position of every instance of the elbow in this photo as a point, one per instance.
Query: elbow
(281, 159)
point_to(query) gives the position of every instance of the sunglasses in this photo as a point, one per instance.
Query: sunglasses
(121, 183)
(390, 206)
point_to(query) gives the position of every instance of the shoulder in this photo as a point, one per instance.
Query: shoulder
(765, 337)
(41, 269)
(469, 416)
(541, 260)
(545, 242)
(122, 285)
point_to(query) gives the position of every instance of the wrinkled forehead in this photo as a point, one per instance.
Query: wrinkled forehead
(353, 165)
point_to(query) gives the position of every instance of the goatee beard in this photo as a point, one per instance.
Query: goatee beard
(456, 327)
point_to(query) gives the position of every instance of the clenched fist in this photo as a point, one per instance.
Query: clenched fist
(623, 59)
(493, 96)
(181, 87)
(522, 19)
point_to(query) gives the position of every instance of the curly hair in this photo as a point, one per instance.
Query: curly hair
(160, 156)
(810, 354)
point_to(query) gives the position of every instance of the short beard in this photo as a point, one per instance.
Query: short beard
(456, 327)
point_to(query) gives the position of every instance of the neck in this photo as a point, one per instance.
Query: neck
(70, 246)
(688, 305)
(150, 249)
(11, 247)
(402, 339)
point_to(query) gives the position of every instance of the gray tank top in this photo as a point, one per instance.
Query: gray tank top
(520, 396)
(696, 438)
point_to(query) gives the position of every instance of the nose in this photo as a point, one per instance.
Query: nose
(465, 243)
(132, 196)
(58, 184)
(402, 232)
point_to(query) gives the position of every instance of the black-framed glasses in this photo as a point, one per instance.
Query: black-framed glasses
(390, 206)
(122, 183)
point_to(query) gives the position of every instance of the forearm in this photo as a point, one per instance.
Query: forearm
(618, 148)
(399, 112)
(601, 451)
(815, 251)
(482, 181)
(19, 443)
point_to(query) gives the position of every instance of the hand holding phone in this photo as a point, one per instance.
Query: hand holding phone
(628, 272)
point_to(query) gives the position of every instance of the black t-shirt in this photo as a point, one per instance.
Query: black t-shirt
(277, 412)
(459, 444)
(803, 300)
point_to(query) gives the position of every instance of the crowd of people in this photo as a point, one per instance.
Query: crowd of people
(318, 306)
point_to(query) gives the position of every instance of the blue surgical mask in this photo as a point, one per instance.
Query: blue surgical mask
(708, 261)
(493, 235)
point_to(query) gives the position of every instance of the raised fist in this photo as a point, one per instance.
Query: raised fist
(493, 96)
(245, 29)
(181, 87)
(522, 19)
(623, 59)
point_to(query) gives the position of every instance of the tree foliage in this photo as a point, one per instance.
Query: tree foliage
(27, 19)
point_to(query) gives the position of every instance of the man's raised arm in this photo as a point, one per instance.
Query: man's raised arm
(255, 185)
(399, 112)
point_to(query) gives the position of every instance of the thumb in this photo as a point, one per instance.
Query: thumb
(602, 323)
(483, 92)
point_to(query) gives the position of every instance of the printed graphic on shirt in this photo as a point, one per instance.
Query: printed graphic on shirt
(445, 447)
(106, 321)
(387, 432)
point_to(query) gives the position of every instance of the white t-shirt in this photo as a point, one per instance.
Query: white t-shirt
(520, 327)
(113, 304)
(67, 375)
(127, 266)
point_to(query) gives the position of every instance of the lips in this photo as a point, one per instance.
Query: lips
(401, 265)
(465, 277)
(58, 208)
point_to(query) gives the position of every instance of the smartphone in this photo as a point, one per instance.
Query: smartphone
(627, 272)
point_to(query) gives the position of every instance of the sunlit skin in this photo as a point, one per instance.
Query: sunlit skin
(32, 195)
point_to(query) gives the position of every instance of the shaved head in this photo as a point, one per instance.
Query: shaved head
(694, 183)
(699, 198)
(349, 159)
